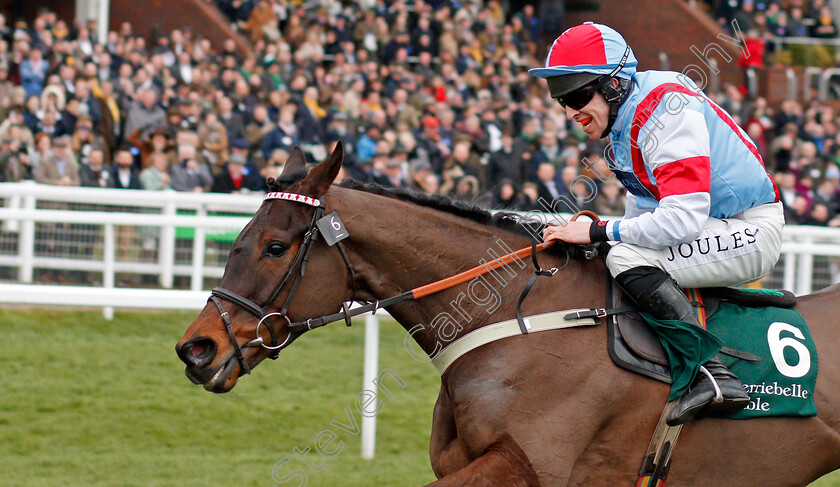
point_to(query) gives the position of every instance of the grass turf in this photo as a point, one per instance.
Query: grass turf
(92, 402)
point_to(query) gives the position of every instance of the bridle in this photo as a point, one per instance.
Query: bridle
(293, 276)
(298, 269)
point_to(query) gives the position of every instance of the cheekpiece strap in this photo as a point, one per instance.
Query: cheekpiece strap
(279, 195)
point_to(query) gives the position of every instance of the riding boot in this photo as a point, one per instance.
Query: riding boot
(715, 386)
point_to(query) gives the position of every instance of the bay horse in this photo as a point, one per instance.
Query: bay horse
(546, 408)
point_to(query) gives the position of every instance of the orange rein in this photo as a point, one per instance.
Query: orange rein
(468, 275)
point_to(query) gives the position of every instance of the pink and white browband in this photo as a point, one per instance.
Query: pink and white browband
(307, 200)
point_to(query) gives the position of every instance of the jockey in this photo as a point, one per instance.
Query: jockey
(701, 209)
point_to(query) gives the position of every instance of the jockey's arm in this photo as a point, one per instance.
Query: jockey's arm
(680, 163)
(631, 209)
(681, 166)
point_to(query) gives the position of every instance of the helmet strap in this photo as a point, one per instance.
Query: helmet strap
(615, 96)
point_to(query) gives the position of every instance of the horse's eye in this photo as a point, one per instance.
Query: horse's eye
(275, 249)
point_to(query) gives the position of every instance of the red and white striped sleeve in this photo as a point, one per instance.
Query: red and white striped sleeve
(679, 160)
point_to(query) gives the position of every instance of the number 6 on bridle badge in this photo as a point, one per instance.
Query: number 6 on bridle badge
(332, 228)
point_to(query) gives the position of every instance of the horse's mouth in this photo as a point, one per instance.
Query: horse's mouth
(221, 381)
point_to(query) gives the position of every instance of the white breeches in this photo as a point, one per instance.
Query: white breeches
(728, 252)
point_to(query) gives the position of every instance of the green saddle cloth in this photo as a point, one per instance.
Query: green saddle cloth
(782, 383)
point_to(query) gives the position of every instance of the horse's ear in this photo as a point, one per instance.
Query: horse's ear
(319, 179)
(295, 161)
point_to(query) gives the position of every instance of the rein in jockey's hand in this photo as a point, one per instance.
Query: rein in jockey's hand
(570, 232)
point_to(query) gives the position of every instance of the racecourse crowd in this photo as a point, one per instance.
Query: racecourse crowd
(780, 18)
(773, 30)
(433, 96)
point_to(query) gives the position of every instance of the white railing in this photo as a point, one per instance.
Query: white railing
(807, 41)
(21, 213)
(800, 245)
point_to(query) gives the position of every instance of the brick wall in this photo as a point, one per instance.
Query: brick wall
(165, 15)
(654, 26)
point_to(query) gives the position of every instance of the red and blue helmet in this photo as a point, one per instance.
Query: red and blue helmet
(583, 54)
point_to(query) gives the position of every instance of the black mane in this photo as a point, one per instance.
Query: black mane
(509, 221)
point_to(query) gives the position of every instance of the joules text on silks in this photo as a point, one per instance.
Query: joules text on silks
(717, 245)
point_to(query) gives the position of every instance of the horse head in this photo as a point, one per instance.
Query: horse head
(246, 320)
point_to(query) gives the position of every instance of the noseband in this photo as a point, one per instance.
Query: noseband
(293, 276)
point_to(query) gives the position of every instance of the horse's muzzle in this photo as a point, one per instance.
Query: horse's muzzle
(197, 352)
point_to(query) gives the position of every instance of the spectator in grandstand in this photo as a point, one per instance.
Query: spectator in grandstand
(144, 115)
(339, 129)
(826, 195)
(285, 134)
(6, 86)
(460, 164)
(232, 121)
(85, 140)
(68, 117)
(311, 118)
(419, 172)
(431, 144)
(505, 164)
(33, 71)
(124, 173)
(610, 201)
(259, 126)
(530, 23)
(467, 188)
(583, 192)
(14, 121)
(778, 24)
(60, 166)
(242, 147)
(548, 149)
(159, 141)
(548, 187)
(234, 178)
(156, 176)
(824, 27)
(189, 174)
(40, 149)
(88, 105)
(13, 160)
(393, 172)
(530, 198)
(213, 136)
(506, 196)
(94, 173)
(49, 124)
(797, 25)
(819, 215)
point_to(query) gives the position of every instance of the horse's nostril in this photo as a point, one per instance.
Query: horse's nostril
(198, 352)
(197, 349)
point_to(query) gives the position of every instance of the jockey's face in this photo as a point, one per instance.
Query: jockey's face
(593, 117)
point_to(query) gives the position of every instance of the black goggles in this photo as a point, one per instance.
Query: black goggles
(580, 97)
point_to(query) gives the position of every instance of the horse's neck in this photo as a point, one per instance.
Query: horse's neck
(402, 246)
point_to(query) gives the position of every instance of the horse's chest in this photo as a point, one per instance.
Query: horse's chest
(478, 409)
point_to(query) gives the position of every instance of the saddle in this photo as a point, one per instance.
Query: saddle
(633, 345)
